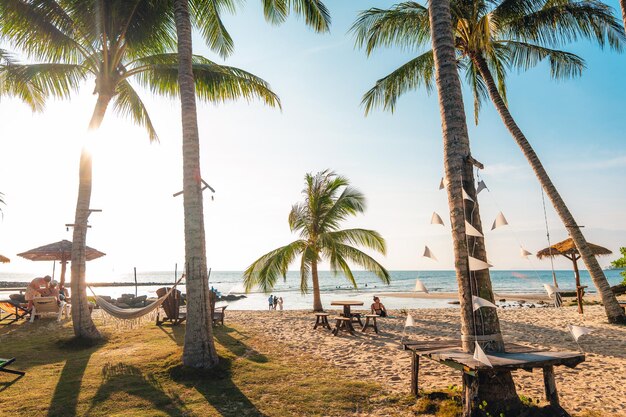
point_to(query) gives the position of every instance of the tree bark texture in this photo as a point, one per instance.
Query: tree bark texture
(611, 306)
(317, 299)
(499, 391)
(199, 350)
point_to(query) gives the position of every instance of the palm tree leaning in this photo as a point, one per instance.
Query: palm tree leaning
(489, 39)
(328, 200)
(111, 51)
(498, 391)
(199, 350)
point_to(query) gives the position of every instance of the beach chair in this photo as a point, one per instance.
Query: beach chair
(13, 312)
(6, 362)
(171, 307)
(218, 315)
(49, 305)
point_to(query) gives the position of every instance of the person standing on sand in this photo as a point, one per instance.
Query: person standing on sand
(271, 302)
(275, 302)
(280, 303)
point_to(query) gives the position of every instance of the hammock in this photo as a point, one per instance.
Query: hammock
(134, 314)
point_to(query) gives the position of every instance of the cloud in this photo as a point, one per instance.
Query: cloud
(615, 162)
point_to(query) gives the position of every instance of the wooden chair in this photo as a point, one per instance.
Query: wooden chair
(48, 305)
(321, 319)
(171, 307)
(218, 315)
(343, 323)
(372, 324)
(13, 310)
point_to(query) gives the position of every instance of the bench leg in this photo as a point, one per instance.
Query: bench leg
(367, 323)
(415, 369)
(325, 323)
(375, 326)
(550, 385)
(470, 397)
(317, 322)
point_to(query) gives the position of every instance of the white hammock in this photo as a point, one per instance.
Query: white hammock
(134, 314)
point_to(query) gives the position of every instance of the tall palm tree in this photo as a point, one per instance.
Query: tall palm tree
(489, 39)
(498, 391)
(328, 200)
(199, 350)
(110, 42)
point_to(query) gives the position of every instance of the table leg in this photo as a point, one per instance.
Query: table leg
(550, 385)
(470, 398)
(415, 369)
(346, 311)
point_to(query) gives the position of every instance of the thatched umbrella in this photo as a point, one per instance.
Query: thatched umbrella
(567, 248)
(4, 259)
(59, 251)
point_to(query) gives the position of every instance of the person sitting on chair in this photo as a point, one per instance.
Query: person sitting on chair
(52, 291)
(35, 289)
(378, 308)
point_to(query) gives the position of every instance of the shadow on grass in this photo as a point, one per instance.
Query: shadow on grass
(176, 333)
(5, 385)
(65, 397)
(128, 379)
(223, 335)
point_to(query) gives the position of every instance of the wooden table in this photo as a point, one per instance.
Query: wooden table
(448, 352)
(346, 310)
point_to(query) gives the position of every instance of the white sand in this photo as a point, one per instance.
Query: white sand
(598, 384)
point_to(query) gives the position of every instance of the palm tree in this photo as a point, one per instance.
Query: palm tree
(622, 4)
(499, 391)
(109, 42)
(328, 200)
(489, 40)
(199, 350)
(13, 85)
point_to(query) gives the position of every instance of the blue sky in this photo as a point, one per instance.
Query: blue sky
(256, 158)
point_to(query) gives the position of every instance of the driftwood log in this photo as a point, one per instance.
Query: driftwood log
(619, 289)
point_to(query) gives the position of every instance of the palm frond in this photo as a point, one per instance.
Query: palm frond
(52, 80)
(315, 13)
(128, 103)
(405, 25)
(206, 16)
(308, 257)
(349, 203)
(562, 64)
(354, 255)
(370, 239)
(417, 72)
(265, 271)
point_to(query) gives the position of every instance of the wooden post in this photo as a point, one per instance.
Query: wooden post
(135, 269)
(579, 295)
(548, 381)
(415, 369)
(470, 399)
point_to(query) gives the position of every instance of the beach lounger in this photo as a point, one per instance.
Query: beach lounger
(5, 362)
(13, 311)
(49, 305)
(174, 312)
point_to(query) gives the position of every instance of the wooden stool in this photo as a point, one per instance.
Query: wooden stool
(321, 319)
(343, 323)
(368, 324)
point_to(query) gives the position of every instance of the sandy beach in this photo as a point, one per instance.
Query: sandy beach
(597, 384)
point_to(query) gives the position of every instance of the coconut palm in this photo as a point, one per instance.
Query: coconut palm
(199, 350)
(491, 37)
(12, 85)
(109, 42)
(328, 200)
(498, 391)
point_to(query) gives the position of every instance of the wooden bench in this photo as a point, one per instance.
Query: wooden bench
(343, 323)
(321, 319)
(449, 353)
(372, 324)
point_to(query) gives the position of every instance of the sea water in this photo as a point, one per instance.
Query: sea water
(339, 288)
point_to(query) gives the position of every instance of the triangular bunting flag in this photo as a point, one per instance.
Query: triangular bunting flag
(480, 356)
(428, 253)
(471, 230)
(578, 331)
(524, 253)
(499, 221)
(481, 186)
(442, 184)
(409, 321)
(466, 196)
(478, 302)
(436, 219)
(420, 287)
(477, 264)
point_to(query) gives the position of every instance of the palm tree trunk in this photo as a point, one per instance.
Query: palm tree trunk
(498, 392)
(317, 299)
(199, 350)
(622, 4)
(611, 306)
(84, 327)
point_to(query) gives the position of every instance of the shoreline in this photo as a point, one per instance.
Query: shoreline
(455, 296)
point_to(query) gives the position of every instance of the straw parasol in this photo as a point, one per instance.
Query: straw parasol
(59, 251)
(4, 259)
(568, 249)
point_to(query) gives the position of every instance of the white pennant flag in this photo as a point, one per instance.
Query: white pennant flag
(524, 253)
(436, 219)
(550, 289)
(429, 254)
(481, 186)
(420, 287)
(578, 331)
(471, 230)
(499, 221)
(480, 356)
(478, 302)
(442, 184)
(477, 264)
(466, 196)
(409, 321)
